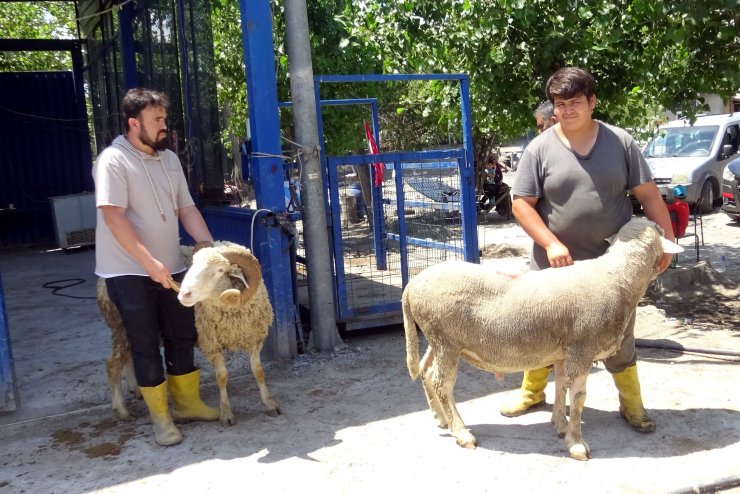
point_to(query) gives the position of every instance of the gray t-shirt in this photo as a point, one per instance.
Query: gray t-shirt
(582, 199)
(151, 189)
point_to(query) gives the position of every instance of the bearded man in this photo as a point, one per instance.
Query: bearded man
(141, 196)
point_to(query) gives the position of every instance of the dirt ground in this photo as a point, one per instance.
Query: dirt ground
(353, 421)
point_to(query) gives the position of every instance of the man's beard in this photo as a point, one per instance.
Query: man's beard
(159, 145)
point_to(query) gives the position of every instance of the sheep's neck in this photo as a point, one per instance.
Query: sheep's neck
(629, 268)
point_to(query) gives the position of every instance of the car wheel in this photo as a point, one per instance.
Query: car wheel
(706, 198)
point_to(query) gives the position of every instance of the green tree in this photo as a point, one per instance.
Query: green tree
(647, 55)
(333, 53)
(36, 20)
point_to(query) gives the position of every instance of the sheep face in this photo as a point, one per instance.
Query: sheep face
(207, 278)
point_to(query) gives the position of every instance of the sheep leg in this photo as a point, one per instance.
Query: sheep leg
(113, 367)
(443, 421)
(443, 377)
(574, 441)
(130, 377)
(222, 378)
(559, 418)
(259, 375)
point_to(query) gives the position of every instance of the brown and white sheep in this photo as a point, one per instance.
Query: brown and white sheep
(119, 364)
(232, 312)
(568, 317)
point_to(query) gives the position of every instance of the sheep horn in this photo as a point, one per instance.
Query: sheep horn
(249, 266)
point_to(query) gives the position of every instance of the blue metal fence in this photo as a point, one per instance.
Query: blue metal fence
(419, 227)
(424, 212)
(9, 400)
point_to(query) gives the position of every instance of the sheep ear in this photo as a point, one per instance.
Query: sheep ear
(249, 266)
(670, 247)
(232, 296)
(235, 272)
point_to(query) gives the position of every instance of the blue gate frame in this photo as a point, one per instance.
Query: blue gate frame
(453, 159)
(9, 399)
(459, 159)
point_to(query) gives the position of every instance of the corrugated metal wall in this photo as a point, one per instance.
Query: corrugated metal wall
(42, 155)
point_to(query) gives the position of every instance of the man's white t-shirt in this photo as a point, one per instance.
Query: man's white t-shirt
(151, 189)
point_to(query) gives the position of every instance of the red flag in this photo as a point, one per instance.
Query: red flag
(378, 168)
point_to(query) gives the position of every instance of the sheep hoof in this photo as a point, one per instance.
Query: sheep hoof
(228, 420)
(467, 441)
(274, 412)
(127, 417)
(580, 452)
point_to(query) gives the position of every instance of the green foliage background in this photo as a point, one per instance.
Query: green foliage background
(648, 56)
(39, 20)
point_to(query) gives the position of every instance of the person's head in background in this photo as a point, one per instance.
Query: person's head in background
(545, 116)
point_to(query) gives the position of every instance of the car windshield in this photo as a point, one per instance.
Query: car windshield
(682, 142)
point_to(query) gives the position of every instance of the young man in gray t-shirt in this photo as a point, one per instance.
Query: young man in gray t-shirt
(570, 194)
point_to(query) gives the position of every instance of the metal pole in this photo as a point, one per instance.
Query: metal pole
(266, 170)
(324, 333)
(128, 48)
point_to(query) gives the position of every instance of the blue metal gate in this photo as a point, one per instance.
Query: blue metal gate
(8, 391)
(422, 212)
(425, 215)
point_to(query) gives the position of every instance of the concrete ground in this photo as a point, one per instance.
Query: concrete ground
(352, 421)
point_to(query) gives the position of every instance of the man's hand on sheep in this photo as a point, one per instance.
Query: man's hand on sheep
(558, 255)
(202, 245)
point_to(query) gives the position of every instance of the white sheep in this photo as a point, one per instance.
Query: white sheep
(232, 312)
(568, 317)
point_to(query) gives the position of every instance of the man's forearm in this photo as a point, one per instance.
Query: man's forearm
(194, 224)
(532, 223)
(654, 206)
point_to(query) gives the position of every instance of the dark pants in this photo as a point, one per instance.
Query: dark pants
(152, 314)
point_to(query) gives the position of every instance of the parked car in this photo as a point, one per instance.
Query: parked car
(731, 190)
(694, 156)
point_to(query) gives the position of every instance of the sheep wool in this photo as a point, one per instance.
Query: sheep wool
(568, 317)
(228, 316)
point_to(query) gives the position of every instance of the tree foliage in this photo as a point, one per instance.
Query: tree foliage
(36, 20)
(648, 56)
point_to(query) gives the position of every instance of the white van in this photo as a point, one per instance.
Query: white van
(694, 156)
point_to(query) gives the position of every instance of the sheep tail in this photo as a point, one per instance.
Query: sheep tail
(412, 339)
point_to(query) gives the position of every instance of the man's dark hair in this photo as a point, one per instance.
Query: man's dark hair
(570, 82)
(137, 99)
